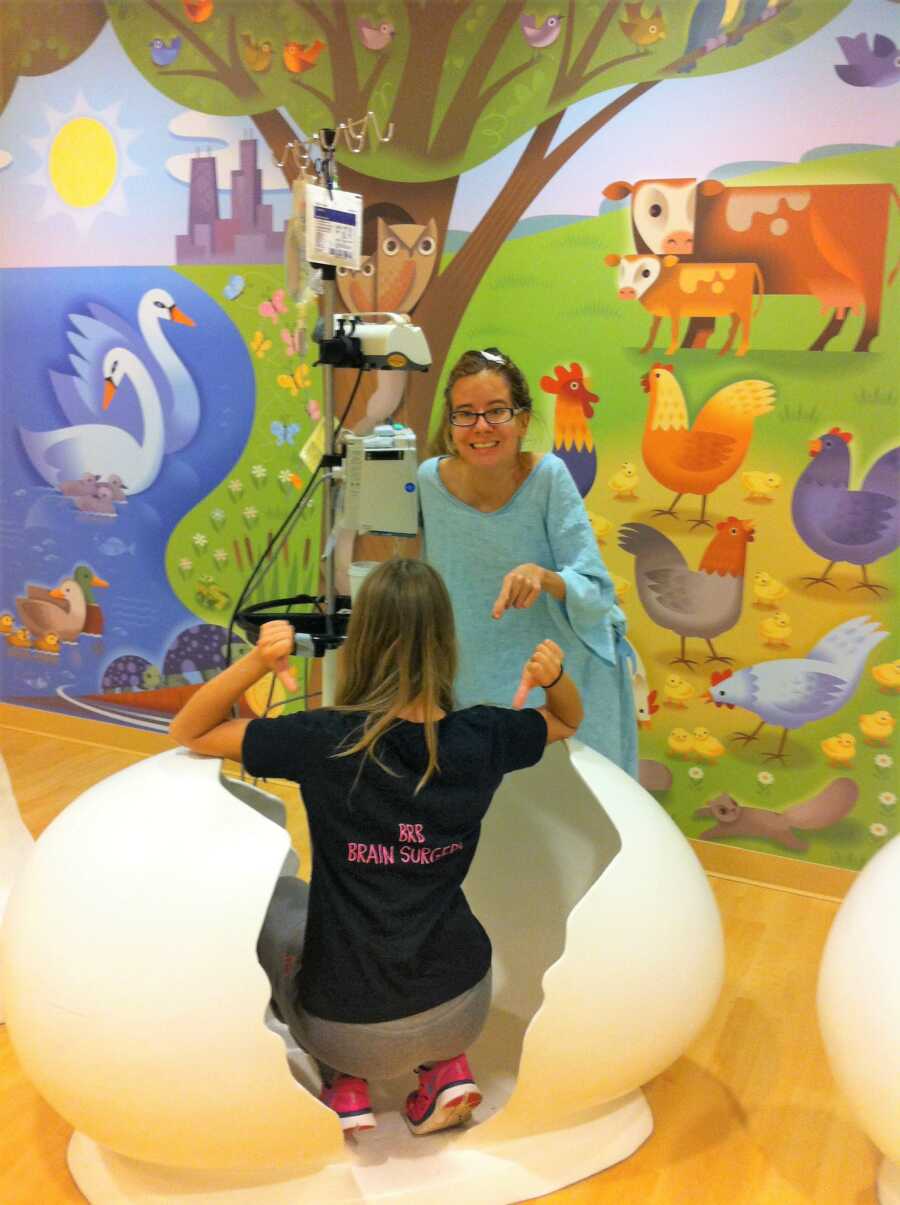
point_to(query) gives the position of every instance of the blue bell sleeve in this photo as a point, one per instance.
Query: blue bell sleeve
(590, 603)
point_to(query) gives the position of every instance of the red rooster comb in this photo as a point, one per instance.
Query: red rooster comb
(719, 675)
(844, 435)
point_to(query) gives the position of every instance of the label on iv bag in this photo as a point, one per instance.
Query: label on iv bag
(333, 227)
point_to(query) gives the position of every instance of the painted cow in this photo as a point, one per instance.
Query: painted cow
(667, 288)
(820, 240)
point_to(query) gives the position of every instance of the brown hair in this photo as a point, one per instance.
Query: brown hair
(491, 359)
(400, 647)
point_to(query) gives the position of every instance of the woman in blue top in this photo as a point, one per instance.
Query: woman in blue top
(509, 534)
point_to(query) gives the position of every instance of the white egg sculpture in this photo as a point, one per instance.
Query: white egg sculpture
(859, 1007)
(137, 1006)
(16, 843)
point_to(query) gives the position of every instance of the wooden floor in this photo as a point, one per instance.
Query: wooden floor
(748, 1116)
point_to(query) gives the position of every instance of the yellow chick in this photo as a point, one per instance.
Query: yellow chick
(19, 639)
(706, 746)
(760, 487)
(767, 590)
(7, 622)
(622, 586)
(600, 526)
(624, 483)
(877, 727)
(840, 750)
(48, 643)
(887, 675)
(677, 691)
(775, 630)
(680, 744)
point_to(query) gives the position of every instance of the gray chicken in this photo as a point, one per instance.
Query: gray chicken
(704, 602)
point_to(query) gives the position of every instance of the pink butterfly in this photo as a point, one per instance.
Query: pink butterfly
(274, 306)
(291, 341)
(313, 410)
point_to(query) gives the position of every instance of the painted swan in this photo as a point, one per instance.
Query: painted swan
(68, 452)
(102, 329)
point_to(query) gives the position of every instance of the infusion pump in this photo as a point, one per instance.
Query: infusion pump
(379, 492)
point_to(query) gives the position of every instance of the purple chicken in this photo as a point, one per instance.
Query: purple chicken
(800, 690)
(840, 524)
(878, 67)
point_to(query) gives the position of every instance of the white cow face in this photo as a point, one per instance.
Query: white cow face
(636, 274)
(663, 215)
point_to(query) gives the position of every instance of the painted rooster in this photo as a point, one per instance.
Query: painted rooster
(703, 603)
(840, 524)
(572, 439)
(794, 691)
(698, 458)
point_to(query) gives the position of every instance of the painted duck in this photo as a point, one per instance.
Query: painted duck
(19, 639)
(87, 580)
(7, 623)
(64, 610)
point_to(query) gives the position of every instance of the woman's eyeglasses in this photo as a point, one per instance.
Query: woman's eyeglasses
(495, 416)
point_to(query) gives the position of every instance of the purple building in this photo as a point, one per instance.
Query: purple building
(247, 236)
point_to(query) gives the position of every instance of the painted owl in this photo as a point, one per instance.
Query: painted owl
(396, 274)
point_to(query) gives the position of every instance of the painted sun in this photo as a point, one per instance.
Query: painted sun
(84, 162)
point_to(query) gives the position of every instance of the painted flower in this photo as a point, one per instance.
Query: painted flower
(217, 516)
(695, 773)
(259, 473)
(199, 540)
(220, 556)
(185, 565)
(878, 831)
(286, 479)
(251, 514)
(888, 800)
(764, 778)
(883, 761)
(235, 487)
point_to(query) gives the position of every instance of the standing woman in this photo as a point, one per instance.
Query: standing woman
(509, 534)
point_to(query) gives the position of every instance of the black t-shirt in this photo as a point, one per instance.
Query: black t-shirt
(390, 932)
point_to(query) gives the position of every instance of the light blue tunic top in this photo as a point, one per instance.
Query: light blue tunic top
(543, 523)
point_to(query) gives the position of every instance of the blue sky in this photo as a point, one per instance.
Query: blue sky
(762, 112)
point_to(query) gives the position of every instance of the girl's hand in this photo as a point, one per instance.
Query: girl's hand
(521, 589)
(542, 667)
(275, 645)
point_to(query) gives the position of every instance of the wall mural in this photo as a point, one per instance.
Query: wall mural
(547, 189)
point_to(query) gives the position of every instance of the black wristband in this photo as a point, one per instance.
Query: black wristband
(562, 670)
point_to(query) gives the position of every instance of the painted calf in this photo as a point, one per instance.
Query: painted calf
(667, 288)
(825, 241)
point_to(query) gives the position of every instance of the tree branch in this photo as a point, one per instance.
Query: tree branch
(486, 97)
(429, 38)
(231, 75)
(312, 10)
(320, 96)
(625, 58)
(466, 106)
(570, 81)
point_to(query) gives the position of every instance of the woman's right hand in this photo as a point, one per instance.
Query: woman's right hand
(274, 647)
(543, 667)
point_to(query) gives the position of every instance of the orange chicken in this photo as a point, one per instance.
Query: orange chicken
(698, 459)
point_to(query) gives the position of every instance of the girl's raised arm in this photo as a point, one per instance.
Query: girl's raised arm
(562, 709)
(203, 725)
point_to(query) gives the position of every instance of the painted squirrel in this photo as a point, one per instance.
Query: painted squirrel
(737, 820)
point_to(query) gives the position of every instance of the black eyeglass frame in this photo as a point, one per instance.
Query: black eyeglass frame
(512, 411)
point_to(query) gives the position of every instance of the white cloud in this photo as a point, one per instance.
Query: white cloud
(220, 137)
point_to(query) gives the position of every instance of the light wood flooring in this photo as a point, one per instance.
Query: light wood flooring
(748, 1116)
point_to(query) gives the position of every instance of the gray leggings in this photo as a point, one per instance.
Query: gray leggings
(377, 1050)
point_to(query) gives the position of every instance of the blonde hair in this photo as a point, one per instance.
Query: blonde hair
(400, 648)
(470, 363)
